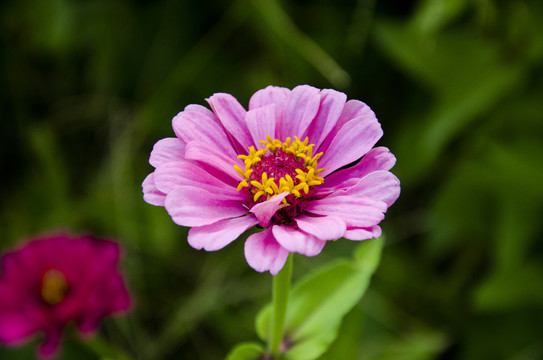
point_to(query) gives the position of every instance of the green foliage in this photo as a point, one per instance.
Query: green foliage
(319, 301)
(246, 351)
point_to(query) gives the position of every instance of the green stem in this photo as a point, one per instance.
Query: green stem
(281, 290)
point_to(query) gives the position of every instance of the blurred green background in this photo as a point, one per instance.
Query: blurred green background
(89, 86)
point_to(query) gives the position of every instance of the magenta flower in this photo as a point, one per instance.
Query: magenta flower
(300, 164)
(52, 280)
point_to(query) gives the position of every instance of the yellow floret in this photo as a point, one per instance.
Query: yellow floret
(305, 178)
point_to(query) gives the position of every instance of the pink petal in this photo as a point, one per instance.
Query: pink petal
(299, 110)
(376, 231)
(107, 253)
(88, 325)
(351, 142)
(270, 95)
(166, 150)
(323, 227)
(264, 253)
(52, 341)
(12, 285)
(110, 297)
(379, 158)
(217, 235)
(331, 106)
(264, 211)
(353, 109)
(191, 206)
(15, 327)
(205, 111)
(119, 299)
(200, 151)
(201, 109)
(261, 122)
(232, 116)
(122, 301)
(8, 295)
(151, 194)
(297, 241)
(359, 234)
(171, 175)
(198, 126)
(379, 185)
(356, 211)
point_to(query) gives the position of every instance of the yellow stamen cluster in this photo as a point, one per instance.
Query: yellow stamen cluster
(304, 178)
(54, 287)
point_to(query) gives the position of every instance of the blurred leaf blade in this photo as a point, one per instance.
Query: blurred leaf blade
(280, 23)
(319, 302)
(246, 351)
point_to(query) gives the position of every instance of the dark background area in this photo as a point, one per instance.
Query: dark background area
(89, 86)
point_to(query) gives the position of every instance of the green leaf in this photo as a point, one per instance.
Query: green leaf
(279, 22)
(466, 75)
(431, 16)
(319, 302)
(419, 345)
(511, 288)
(246, 351)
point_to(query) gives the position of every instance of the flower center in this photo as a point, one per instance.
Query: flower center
(53, 287)
(278, 168)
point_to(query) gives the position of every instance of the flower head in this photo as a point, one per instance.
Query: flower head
(300, 164)
(53, 280)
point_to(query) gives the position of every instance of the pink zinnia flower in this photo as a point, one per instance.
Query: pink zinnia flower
(52, 280)
(300, 164)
